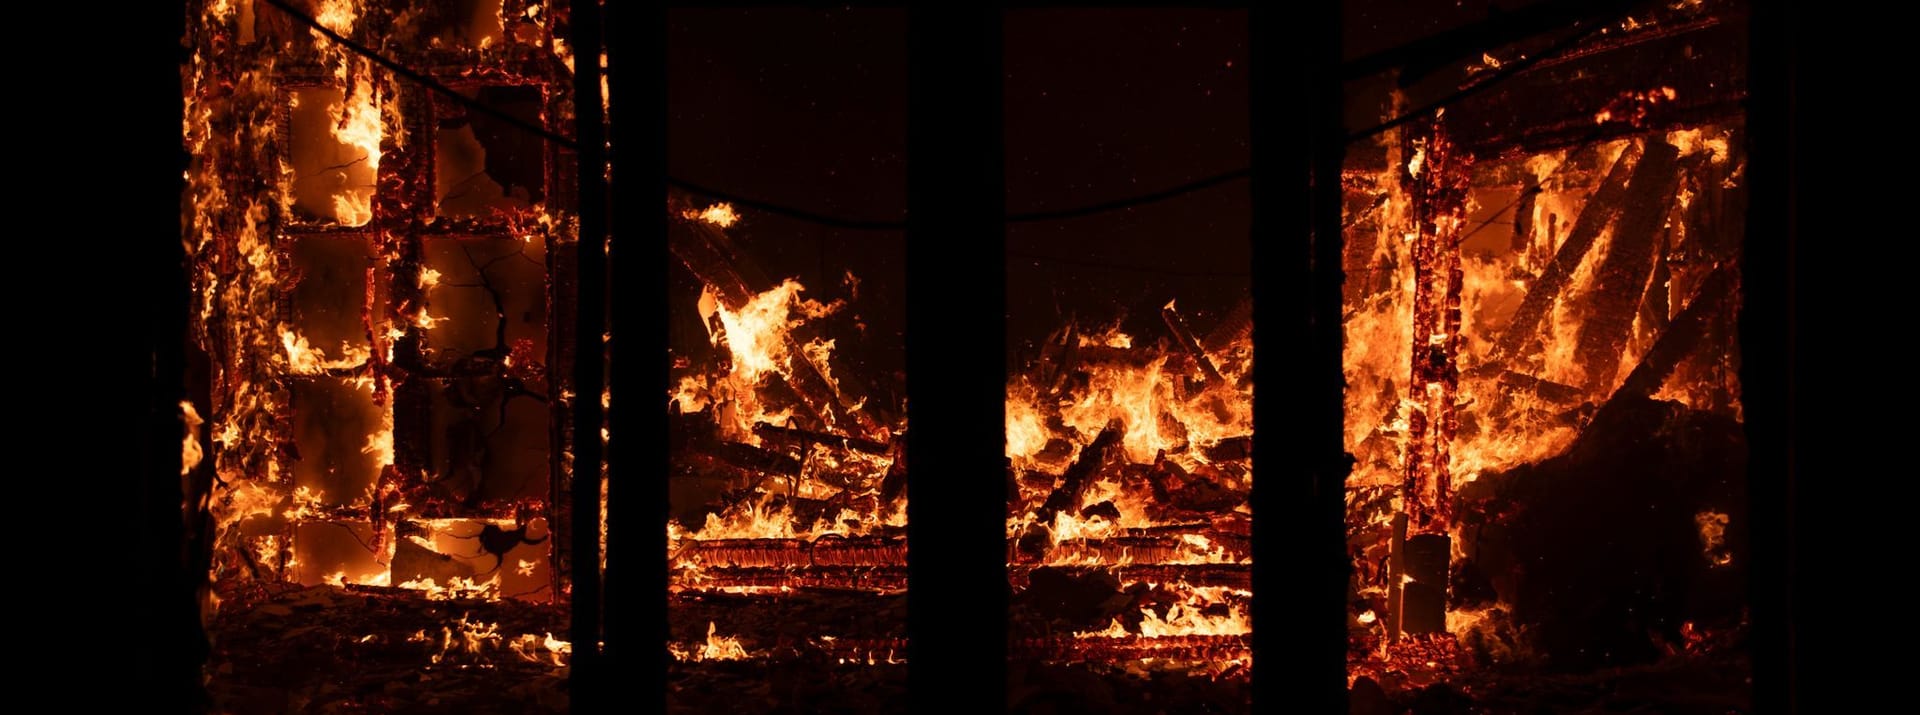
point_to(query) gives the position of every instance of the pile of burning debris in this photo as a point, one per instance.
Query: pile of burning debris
(1129, 470)
(788, 493)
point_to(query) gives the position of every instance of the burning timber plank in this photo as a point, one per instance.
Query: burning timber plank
(1185, 337)
(1622, 277)
(806, 438)
(1680, 337)
(712, 257)
(829, 550)
(1594, 216)
(1110, 649)
(1548, 389)
(1159, 549)
(1238, 576)
(1072, 489)
(869, 578)
(1074, 483)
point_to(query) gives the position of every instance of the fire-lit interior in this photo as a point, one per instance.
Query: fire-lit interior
(788, 482)
(1129, 393)
(378, 472)
(1130, 469)
(786, 405)
(1542, 367)
(1542, 248)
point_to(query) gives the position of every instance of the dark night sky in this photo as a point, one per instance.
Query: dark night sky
(1106, 104)
(807, 108)
(803, 108)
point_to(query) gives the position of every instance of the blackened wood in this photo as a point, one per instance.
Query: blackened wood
(1620, 282)
(1298, 533)
(1074, 482)
(956, 297)
(795, 435)
(586, 677)
(1424, 599)
(1680, 337)
(1541, 293)
(1545, 388)
(1187, 341)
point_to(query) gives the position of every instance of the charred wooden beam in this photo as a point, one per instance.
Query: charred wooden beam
(1561, 95)
(798, 436)
(1231, 449)
(1594, 216)
(1146, 549)
(1438, 185)
(1544, 388)
(1681, 336)
(874, 578)
(1073, 487)
(1108, 649)
(1234, 328)
(1184, 335)
(1621, 280)
(1238, 576)
(783, 553)
(712, 257)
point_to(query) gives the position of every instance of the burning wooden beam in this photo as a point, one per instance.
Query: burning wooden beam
(1620, 282)
(1681, 336)
(873, 578)
(1108, 649)
(1184, 336)
(830, 550)
(1236, 576)
(1594, 216)
(1436, 179)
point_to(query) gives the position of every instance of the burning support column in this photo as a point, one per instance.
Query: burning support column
(1436, 182)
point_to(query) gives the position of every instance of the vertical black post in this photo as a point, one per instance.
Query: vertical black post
(586, 675)
(1769, 337)
(956, 357)
(171, 644)
(636, 583)
(1299, 456)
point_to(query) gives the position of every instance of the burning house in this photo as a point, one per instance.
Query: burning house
(379, 465)
(1530, 255)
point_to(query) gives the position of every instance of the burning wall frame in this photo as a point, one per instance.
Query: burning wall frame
(317, 305)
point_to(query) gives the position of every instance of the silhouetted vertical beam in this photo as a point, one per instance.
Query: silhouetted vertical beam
(171, 647)
(956, 357)
(636, 582)
(1300, 462)
(1769, 360)
(587, 675)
